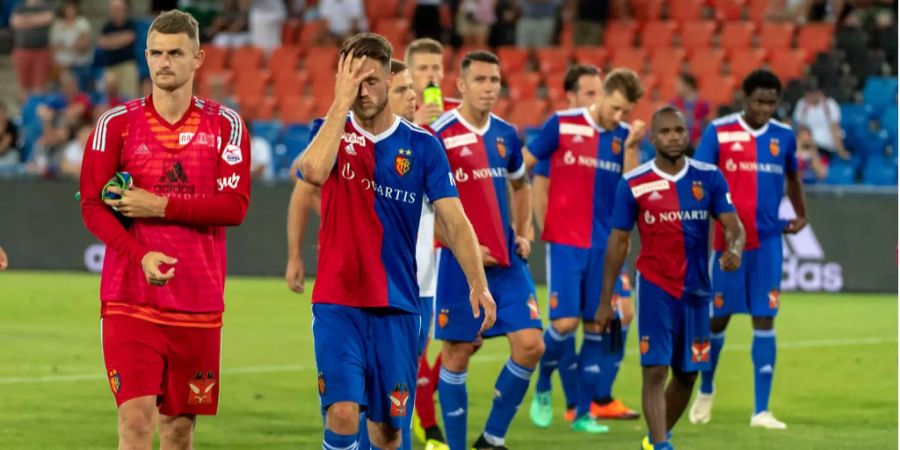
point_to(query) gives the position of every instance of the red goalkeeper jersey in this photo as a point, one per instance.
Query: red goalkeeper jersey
(202, 164)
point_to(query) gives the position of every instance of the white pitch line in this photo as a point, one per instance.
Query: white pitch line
(477, 359)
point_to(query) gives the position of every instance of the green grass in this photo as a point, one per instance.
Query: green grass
(835, 385)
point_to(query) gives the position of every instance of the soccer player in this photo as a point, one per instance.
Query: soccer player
(190, 162)
(757, 154)
(375, 169)
(486, 158)
(425, 60)
(587, 150)
(671, 198)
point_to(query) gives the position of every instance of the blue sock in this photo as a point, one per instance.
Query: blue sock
(763, 351)
(334, 441)
(363, 437)
(454, 407)
(510, 389)
(559, 354)
(588, 372)
(609, 369)
(663, 446)
(706, 377)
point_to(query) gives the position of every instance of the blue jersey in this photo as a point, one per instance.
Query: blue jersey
(673, 213)
(371, 204)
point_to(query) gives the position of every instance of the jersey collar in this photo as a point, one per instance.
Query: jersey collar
(381, 135)
(673, 178)
(470, 127)
(749, 129)
(590, 119)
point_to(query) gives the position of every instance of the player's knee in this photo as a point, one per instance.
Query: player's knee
(627, 316)
(136, 427)
(177, 432)
(455, 355)
(343, 418)
(592, 327)
(686, 379)
(654, 375)
(384, 437)
(763, 323)
(528, 349)
(566, 325)
(718, 324)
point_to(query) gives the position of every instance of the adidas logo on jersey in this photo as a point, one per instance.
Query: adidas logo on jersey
(737, 147)
(350, 150)
(465, 152)
(804, 265)
(654, 196)
(578, 139)
(142, 150)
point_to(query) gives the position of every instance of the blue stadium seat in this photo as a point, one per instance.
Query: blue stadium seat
(293, 141)
(889, 123)
(840, 172)
(880, 172)
(32, 127)
(878, 93)
(853, 121)
(141, 29)
(872, 143)
(270, 130)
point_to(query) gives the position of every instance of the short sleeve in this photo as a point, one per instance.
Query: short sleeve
(316, 125)
(790, 154)
(835, 113)
(516, 164)
(626, 210)
(547, 140)
(708, 148)
(542, 168)
(439, 182)
(721, 198)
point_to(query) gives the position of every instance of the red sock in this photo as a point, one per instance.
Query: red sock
(425, 387)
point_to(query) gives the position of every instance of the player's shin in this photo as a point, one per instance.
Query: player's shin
(454, 406)
(510, 389)
(717, 341)
(555, 344)
(609, 369)
(763, 352)
(589, 360)
(654, 401)
(678, 395)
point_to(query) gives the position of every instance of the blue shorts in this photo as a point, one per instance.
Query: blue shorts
(752, 289)
(673, 331)
(426, 310)
(368, 357)
(575, 281)
(511, 287)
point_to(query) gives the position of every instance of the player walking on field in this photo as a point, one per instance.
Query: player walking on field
(375, 169)
(758, 155)
(672, 199)
(190, 162)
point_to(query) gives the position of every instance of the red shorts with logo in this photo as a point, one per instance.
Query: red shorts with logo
(179, 365)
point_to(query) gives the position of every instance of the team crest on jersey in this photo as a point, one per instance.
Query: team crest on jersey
(700, 350)
(399, 398)
(501, 147)
(321, 383)
(554, 300)
(403, 162)
(645, 344)
(114, 382)
(533, 307)
(697, 190)
(719, 300)
(443, 318)
(774, 299)
(201, 388)
(616, 145)
(774, 148)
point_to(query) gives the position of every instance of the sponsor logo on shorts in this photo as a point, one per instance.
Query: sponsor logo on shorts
(201, 388)
(774, 299)
(700, 350)
(645, 344)
(533, 307)
(321, 383)
(719, 300)
(115, 383)
(399, 397)
(443, 318)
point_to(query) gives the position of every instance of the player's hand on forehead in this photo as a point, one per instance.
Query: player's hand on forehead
(349, 76)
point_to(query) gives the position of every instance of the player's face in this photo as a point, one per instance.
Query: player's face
(172, 59)
(614, 108)
(480, 85)
(402, 97)
(588, 89)
(761, 106)
(670, 135)
(373, 91)
(426, 68)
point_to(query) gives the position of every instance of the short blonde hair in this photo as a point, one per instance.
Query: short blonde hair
(175, 22)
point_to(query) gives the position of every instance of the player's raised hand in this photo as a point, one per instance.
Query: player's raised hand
(480, 298)
(523, 247)
(604, 315)
(730, 261)
(795, 225)
(137, 203)
(151, 263)
(294, 275)
(426, 113)
(638, 129)
(349, 76)
(486, 257)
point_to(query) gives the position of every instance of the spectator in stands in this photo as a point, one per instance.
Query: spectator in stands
(822, 115)
(812, 166)
(697, 111)
(344, 18)
(70, 38)
(9, 137)
(70, 166)
(473, 21)
(31, 22)
(229, 29)
(117, 40)
(426, 20)
(60, 117)
(537, 26)
(109, 97)
(503, 32)
(260, 159)
(591, 16)
(266, 18)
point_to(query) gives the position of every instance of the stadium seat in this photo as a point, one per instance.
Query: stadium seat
(321, 58)
(697, 35)
(141, 29)
(296, 110)
(840, 172)
(854, 123)
(311, 33)
(667, 88)
(888, 121)
(667, 62)
(815, 37)
(619, 34)
(251, 83)
(718, 90)
(290, 84)
(448, 85)
(290, 31)
(553, 59)
(284, 59)
(878, 93)
(871, 143)
(528, 113)
(294, 139)
(646, 10)
(658, 34)
(788, 63)
(523, 85)
(631, 57)
(501, 108)
(257, 108)
(393, 29)
(742, 63)
(246, 58)
(595, 56)
(644, 110)
(685, 10)
(728, 10)
(880, 172)
(736, 36)
(776, 35)
(554, 84)
(758, 10)
(706, 61)
(215, 60)
(512, 59)
(377, 10)
(270, 130)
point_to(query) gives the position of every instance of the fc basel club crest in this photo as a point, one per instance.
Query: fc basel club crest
(554, 300)
(399, 397)
(697, 190)
(443, 318)
(114, 382)
(645, 344)
(719, 300)
(403, 162)
(700, 350)
(501, 147)
(321, 383)
(774, 149)
(533, 307)
(201, 388)
(773, 299)
(617, 146)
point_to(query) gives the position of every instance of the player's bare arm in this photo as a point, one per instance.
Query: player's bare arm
(735, 239)
(460, 238)
(298, 216)
(632, 144)
(521, 214)
(317, 161)
(540, 191)
(616, 251)
(530, 159)
(798, 200)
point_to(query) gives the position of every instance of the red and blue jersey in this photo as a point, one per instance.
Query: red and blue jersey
(482, 160)
(371, 204)
(584, 162)
(673, 213)
(754, 163)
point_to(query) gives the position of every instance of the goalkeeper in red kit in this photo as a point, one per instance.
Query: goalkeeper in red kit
(161, 289)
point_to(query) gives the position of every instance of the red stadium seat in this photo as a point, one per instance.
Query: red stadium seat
(658, 34)
(728, 10)
(257, 108)
(788, 63)
(759, 10)
(251, 83)
(501, 108)
(382, 9)
(667, 62)
(290, 84)
(448, 85)
(667, 88)
(216, 58)
(523, 85)
(246, 58)
(322, 58)
(685, 10)
(708, 60)
(632, 58)
(815, 37)
(741, 64)
(566, 36)
(395, 30)
(527, 113)
(293, 110)
(553, 59)
(718, 90)
(646, 10)
(776, 35)
(290, 31)
(284, 59)
(697, 34)
(554, 84)
(512, 59)
(619, 34)
(312, 33)
(594, 56)
(736, 36)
